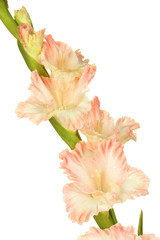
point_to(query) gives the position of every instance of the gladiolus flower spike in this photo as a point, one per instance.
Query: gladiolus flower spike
(98, 170)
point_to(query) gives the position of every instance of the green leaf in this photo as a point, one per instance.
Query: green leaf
(140, 225)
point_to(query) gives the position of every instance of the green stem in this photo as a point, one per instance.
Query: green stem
(32, 63)
(103, 219)
(7, 19)
(11, 25)
(5, 2)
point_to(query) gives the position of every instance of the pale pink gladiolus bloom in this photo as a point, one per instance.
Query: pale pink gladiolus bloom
(64, 63)
(100, 178)
(65, 100)
(99, 125)
(149, 237)
(116, 232)
(63, 95)
(58, 56)
(32, 41)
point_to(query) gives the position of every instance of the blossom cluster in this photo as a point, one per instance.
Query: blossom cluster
(98, 170)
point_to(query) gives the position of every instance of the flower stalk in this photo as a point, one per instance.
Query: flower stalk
(7, 19)
(103, 219)
(32, 63)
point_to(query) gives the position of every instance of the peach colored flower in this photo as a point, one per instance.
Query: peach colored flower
(63, 95)
(100, 178)
(149, 237)
(32, 41)
(65, 64)
(63, 99)
(116, 232)
(99, 125)
(58, 56)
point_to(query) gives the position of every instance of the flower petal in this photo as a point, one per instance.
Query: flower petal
(38, 107)
(113, 165)
(99, 125)
(114, 233)
(79, 165)
(95, 166)
(100, 172)
(149, 237)
(125, 128)
(73, 118)
(33, 111)
(65, 100)
(136, 184)
(80, 206)
(58, 55)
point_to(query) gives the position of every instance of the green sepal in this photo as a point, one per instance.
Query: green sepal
(113, 215)
(69, 137)
(32, 63)
(140, 225)
(104, 220)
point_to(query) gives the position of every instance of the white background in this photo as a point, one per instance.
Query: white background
(123, 39)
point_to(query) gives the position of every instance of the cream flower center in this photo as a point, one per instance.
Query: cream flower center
(96, 176)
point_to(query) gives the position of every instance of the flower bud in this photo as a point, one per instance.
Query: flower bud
(32, 41)
(22, 16)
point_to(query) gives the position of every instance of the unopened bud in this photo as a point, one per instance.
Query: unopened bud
(32, 41)
(22, 16)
